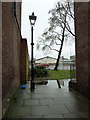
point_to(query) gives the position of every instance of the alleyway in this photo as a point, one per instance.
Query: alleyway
(48, 101)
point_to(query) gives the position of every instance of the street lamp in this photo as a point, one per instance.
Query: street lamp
(32, 19)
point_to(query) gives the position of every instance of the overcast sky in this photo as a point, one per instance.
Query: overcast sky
(40, 8)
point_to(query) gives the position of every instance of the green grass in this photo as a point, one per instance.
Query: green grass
(60, 74)
(73, 73)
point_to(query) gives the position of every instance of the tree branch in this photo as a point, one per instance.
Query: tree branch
(57, 43)
(52, 48)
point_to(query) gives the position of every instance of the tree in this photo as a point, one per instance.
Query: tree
(59, 28)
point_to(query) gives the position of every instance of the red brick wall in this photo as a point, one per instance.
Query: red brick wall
(89, 50)
(0, 60)
(24, 61)
(10, 50)
(81, 24)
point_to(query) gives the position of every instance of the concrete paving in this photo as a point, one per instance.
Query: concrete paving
(48, 101)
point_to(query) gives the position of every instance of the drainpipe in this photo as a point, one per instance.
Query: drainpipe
(15, 15)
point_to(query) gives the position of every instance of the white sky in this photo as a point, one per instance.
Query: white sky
(40, 8)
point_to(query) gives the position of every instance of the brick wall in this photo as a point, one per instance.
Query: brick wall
(10, 50)
(89, 50)
(0, 60)
(81, 25)
(24, 62)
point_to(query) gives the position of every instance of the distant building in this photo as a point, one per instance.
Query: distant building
(44, 60)
(73, 58)
(64, 63)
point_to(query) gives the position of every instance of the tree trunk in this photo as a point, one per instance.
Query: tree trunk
(57, 62)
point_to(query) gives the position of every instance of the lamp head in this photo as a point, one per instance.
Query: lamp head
(32, 19)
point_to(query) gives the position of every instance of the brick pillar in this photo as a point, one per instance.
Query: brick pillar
(24, 62)
(89, 50)
(82, 46)
(0, 60)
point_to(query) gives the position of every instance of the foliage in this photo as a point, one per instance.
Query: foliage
(40, 71)
(59, 30)
(62, 15)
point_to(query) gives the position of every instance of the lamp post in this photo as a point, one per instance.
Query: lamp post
(32, 19)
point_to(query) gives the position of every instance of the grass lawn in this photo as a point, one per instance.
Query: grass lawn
(60, 74)
(55, 75)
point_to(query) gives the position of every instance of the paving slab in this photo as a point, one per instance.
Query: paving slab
(18, 112)
(53, 116)
(31, 102)
(48, 101)
(75, 115)
(58, 109)
(40, 110)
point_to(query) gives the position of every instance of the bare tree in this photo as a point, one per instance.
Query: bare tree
(59, 29)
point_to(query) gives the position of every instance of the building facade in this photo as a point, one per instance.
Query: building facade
(13, 53)
(64, 63)
(46, 60)
(82, 25)
(0, 60)
(11, 41)
(24, 62)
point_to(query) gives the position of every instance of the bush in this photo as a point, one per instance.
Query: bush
(40, 71)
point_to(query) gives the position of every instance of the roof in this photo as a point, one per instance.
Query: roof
(45, 57)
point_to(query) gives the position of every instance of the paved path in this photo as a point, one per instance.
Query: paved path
(48, 101)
